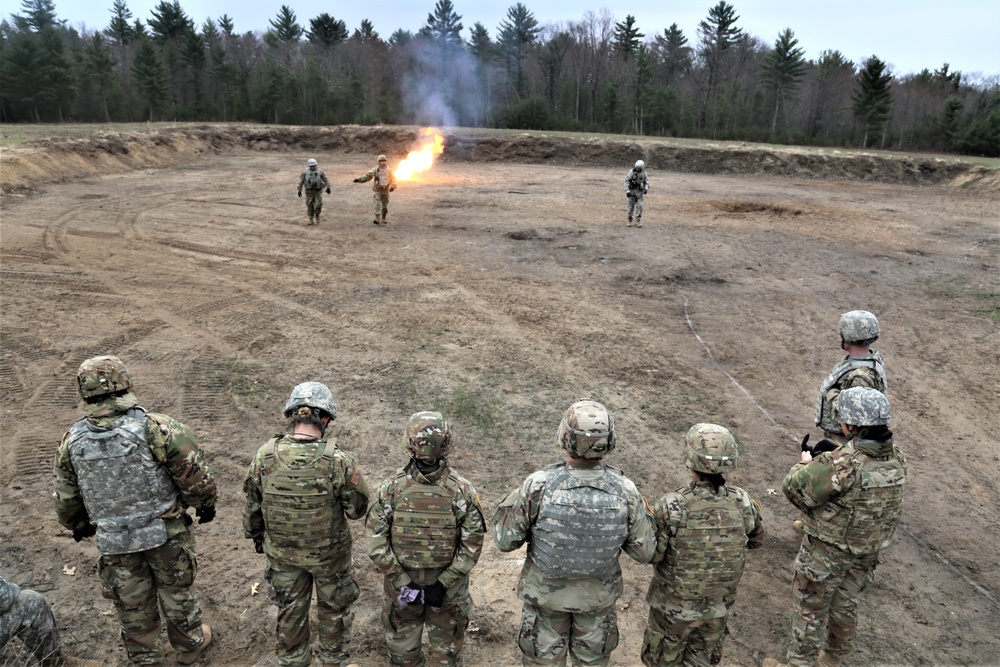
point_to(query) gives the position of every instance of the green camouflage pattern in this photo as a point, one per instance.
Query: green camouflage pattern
(102, 375)
(858, 325)
(544, 636)
(866, 370)
(863, 406)
(427, 437)
(711, 449)
(446, 627)
(512, 523)
(27, 615)
(383, 182)
(670, 640)
(424, 532)
(587, 430)
(313, 186)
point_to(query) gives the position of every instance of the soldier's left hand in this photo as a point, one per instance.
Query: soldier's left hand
(328, 191)
(205, 514)
(392, 188)
(82, 533)
(434, 594)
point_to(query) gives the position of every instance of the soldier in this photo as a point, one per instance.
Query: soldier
(851, 499)
(576, 516)
(28, 615)
(636, 185)
(128, 476)
(703, 532)
(384, 183)
(314, 181)
(300, 491)
(424, 533)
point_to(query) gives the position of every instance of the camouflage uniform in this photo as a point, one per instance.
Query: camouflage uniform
(702, 536)
(571, 614)
(636, 186)
(853, 371)
(313, 182)
(27, 615)
(383, 182)
(425, 528)
(159, 578)
(851, 500)
(299, 495)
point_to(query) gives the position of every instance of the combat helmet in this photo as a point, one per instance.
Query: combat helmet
(308, 403)
(863, 406)
(858, 325)
(711, 449)
(639, 164)
(427, 437)
(587, 430)
(311, 163)
(102, 376)
(382, 157)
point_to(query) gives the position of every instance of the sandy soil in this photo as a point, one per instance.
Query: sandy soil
(502, 290)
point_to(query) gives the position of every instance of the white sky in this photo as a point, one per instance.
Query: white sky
(909, 35)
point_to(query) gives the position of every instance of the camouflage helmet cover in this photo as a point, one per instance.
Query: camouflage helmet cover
(311, 163)
(858, 325)
(427, 436)
(711, 449)
(863, 406)
(315, 395)
(587, 430)
(381, 158)
(101, 376)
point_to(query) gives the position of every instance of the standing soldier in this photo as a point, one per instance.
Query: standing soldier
(576, 516)
(703, 533)
(851, 499)
(384, 183)
(636, 186)
(128, 476)
(425, 534)
(314, 181)
(300, 491)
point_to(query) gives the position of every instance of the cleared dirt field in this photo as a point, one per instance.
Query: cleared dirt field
(505, 287)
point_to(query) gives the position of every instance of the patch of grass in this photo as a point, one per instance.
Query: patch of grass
(16, 134)
(986, 302)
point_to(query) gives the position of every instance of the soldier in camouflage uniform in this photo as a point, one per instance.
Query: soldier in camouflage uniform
(128, 476)
(300, 491)
(384, 183)
(576, 516)
(425, 533)
(636, 187)
(851, 500)
(27, 615)
(314, 181)
(703, 531)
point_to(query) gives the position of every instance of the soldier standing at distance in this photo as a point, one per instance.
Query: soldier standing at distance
(425, 533)
(384, 183)
(851, 499)
(300, 490)
(636, 186)
(576, 517)
(128, 476)
(314, 181)
(703, 532)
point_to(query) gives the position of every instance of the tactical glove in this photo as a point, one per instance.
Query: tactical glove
(357, 180)
(300, 194)
(205, 514)
(328, 191)
(258, 546)
(434, 594)
(392, 188)
(411, 594)
(805, 444)
(87, 531)
(825, 445)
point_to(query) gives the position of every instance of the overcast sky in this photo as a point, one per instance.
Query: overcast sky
(909, 35)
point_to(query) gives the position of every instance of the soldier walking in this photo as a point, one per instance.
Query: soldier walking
(300, 491)
(636, 186)
(314, 181)
(424, 533)
(128, 476)
(703, 531)
(383, 182)
(851, 499)
(576, 517)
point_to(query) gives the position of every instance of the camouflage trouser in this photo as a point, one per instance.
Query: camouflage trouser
(634, 206)
(445, 628)
(144, 584)
(314, 203)
(670, 643)
(290, 589)
(30, 619)
(825, 592)
(381, 200)
(547, 636)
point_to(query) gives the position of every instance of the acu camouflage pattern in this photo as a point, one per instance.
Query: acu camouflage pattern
(544, 637)
(862, 406)
(27, 615)
(102, 375)
(853, 371)
(313, 394)
(858, 325)
(581, 525)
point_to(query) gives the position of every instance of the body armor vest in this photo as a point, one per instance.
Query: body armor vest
(823, 412)
(581, 525)
(124, 489)
(314, 180)
(705, 558)
(381, 178)
(863, 519)
(424, 528)
(300, 507)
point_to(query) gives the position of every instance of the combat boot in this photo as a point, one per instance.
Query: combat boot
(826, 660)
(191, 657)
(638, 222)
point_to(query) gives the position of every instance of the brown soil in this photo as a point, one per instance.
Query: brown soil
(506, 286)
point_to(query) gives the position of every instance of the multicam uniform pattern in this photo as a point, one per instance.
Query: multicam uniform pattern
(142, 583)
(851, 500)
(313, 182)
(702, 536)
(383, 182)
(27, 615)
(299, 495)
(565, 616)
(853, 371)
(422, 529)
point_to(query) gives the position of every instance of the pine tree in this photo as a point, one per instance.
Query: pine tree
(872, 98)
(100, 66)
(326, 30)
(627, 37)
(150, 77)
(38, 15)
(443, 26)
(515, 35)
(782, 70)
(284, 27)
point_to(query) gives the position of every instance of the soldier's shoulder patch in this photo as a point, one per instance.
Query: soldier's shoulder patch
(356, 476)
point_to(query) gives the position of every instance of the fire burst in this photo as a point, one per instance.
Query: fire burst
(421, 159)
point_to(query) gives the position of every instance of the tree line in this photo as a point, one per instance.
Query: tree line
(594, 74)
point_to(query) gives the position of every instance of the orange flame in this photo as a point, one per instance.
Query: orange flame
(421, 159)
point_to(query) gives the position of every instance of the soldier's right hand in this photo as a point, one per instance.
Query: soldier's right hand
(82, 533)
(258, 546)
(300, 194)
(357, 180)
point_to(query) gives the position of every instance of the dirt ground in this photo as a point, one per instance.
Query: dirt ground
(505, 287)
